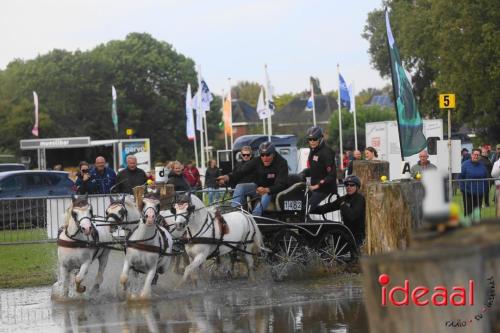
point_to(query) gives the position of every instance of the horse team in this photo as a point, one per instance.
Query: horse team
(148, 236)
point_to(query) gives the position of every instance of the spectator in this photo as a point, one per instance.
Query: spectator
(485, 160)
(422, 165)
(371, 154)
(192, 175)
(495, 173)
(85, 182)
(105, 177)
(357, 157)
(211, 175)
(473, 190)
(176, 177)
(130, 177)
(58, 167)
(496, 156)
(465, 155)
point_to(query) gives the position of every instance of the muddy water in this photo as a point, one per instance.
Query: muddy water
(328, 304)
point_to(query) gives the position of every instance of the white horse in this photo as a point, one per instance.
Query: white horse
(78, 245)
(123, 213)
(204, 237)
(148, 247)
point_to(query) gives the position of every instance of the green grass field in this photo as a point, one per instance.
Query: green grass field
(27, 265)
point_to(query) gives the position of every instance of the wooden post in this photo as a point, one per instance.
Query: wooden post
(487, 236)
(427, 267)
(393, 209)
(369, 171)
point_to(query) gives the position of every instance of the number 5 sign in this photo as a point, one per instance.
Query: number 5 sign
(446, 101)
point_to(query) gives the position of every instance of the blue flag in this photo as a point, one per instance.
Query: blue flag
(345, 100)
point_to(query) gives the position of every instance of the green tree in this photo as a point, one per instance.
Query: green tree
(447, 46)
(74, 90)
(247, 92)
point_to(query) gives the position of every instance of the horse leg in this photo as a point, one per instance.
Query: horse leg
(249, 263)
(64, 276)
(103, 260)
(146, 290)
(124, 274)
(197, 261)
(81, 274)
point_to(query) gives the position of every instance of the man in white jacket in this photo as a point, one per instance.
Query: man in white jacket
(495, 173)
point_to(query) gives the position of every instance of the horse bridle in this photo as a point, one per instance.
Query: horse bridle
(156, 210)
(115, 216)
(78, 221)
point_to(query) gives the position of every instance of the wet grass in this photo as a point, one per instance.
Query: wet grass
(27, 265)
(23, 235)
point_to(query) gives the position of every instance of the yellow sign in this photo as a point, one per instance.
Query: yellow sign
(446, 101)
(129, 131)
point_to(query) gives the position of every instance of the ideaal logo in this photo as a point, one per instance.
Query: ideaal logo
(438, 296)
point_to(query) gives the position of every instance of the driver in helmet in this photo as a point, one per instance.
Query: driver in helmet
(351, 206)
(320, 167)
(270, 172)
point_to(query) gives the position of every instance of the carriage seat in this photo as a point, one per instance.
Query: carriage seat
(295, 188)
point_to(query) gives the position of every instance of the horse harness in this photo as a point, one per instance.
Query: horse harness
(140, 243)
(234, 245)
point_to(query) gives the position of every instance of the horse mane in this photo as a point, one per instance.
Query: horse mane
(67, 215)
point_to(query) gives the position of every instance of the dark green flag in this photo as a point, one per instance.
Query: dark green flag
(411, 136)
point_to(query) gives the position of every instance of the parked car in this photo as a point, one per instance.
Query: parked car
(11, 167)
(23, 193)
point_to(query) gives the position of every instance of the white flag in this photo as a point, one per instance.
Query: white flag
(35, 127)
(206, 97)
(262, 110)
(269, 94)
(189, 116)
(353, 100)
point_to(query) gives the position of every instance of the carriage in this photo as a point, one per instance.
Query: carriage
(286, 233)
(290, 232)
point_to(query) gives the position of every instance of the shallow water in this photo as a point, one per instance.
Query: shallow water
(328, 304)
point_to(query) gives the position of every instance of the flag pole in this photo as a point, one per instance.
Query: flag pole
(189, 100)
(223, 120)
(267, 98)
(230, 111)
(202, 145)
(314, 104)
(206, 135)
(341, 157)
(353, 102)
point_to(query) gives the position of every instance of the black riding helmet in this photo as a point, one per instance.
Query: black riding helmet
(267, 148)
(353, 179)
(314, 132)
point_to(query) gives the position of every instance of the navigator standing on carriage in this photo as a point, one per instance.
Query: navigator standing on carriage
(320, 167)
(271, 177)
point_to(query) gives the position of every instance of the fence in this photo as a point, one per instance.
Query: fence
(37, 220)
(477, 198)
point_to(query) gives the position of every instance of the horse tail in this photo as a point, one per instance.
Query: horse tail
(257, 238)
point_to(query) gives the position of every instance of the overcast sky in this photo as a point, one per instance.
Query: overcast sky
(228, 38)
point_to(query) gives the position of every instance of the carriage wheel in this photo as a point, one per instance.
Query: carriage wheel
(289, 253)
(337, 246)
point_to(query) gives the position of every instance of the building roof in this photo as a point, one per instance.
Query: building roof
(294, 112)
(244, 113)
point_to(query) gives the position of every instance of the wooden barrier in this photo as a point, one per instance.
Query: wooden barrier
(167, 193)
(453, 259)
(369, 171)
(393, 209)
